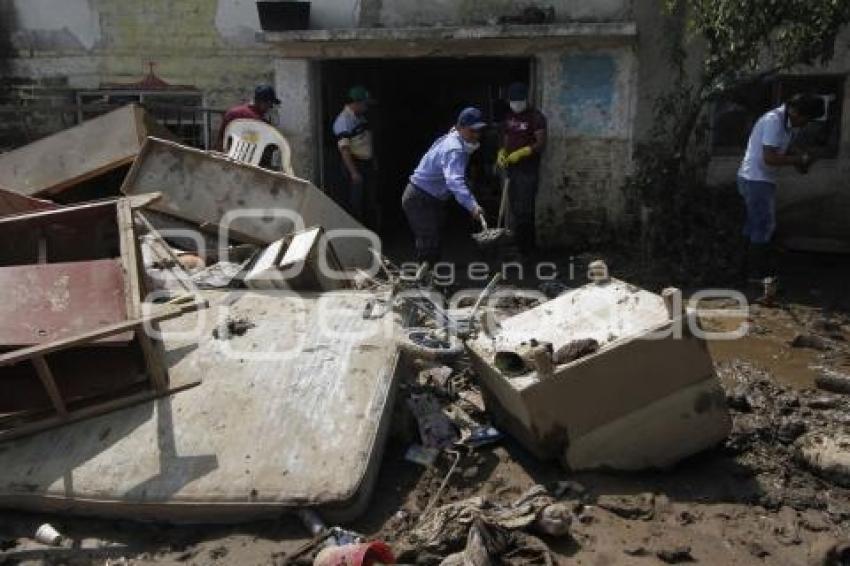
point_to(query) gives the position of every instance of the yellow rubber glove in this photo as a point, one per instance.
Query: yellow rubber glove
(501, 158)
(518, 155)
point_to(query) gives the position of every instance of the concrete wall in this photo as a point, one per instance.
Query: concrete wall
(296, 85)
(398, 13)
(589, 99)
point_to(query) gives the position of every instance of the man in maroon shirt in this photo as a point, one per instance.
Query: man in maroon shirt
(524, 138)
(264, 100)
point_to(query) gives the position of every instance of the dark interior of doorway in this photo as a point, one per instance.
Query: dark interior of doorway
(417, 101)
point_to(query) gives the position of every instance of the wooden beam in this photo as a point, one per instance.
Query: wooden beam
(23, 354)
(94, 410)
(130, 255)
(46, 377)
(143, 201)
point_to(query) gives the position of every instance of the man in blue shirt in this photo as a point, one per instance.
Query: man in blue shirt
(441, 175)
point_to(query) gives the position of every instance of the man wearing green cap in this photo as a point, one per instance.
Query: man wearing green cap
(354, 140)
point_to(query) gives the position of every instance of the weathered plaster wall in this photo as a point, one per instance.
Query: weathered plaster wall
(296, 83)
(58, 46)
(397, 13)
(588, 97)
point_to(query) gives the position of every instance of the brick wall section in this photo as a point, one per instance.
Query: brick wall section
(181, 37)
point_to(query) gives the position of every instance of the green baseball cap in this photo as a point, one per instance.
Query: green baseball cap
(359, 94)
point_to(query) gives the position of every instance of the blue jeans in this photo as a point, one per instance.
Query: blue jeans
(760, 201)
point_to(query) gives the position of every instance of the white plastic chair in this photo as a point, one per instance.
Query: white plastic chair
(247, 140)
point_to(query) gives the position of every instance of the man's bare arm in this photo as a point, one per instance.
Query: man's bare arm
(774, 158)
(348, 159)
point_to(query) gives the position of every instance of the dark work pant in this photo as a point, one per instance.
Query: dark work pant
(426, 215)
(522, 195)
(361, 199)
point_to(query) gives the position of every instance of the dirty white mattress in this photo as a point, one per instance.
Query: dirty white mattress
(292, 413)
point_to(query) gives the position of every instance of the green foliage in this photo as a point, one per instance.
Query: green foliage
(737, 39)
(748, 36)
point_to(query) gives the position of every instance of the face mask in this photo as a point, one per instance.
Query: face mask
(471, 147)
(518, 106)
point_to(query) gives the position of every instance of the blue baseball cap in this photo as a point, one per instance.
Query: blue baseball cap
(471, 118)
(517, 92)
(266, 93)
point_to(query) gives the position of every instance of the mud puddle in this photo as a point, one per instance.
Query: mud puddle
(768, 342)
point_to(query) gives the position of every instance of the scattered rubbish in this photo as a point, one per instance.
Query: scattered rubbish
(597, 272)
(828, 455)
(435, 428)
(448, 526)
(484, 545)
(482, 436)
(421, 455)
(47, 534)
(668, 405)
(191, 262)
(294, 263)
(376, 308)
(86, 151)
(438, 376)
(676, 555)
(363, 554)
(232, 327)
(641, 506)
(430, 344)
(834, 381)
(435, 497)
(219, 275)
(770, 286)
(555, 520)
(474, 398)
(311, 521)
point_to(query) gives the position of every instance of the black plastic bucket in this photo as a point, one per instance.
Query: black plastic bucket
(283, 16)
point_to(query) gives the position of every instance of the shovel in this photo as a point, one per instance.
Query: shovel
(500, 235)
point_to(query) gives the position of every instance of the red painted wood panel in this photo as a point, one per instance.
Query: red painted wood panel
(45, 302)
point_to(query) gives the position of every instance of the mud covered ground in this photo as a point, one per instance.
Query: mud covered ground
(750, 501)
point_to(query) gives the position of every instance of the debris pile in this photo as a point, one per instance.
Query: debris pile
(287, 395)
(795, 440)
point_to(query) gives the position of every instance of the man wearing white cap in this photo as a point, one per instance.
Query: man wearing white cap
(523, 143)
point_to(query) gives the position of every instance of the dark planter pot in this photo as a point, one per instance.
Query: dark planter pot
(283, 16)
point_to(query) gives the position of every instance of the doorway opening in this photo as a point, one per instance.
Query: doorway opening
(417, 100)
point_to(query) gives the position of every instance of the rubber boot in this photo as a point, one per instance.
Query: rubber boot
(756, 263)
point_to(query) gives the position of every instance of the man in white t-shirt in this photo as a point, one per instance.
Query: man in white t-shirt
(767, 151)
